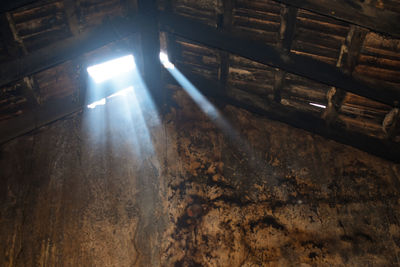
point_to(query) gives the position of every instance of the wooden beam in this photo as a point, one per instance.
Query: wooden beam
(347, 61)
(67, 49)
(258, 51)
(279, 84)
(8, 5)
(302, 120)
(335, 98)
(150, 45)
(286, 33)
(288, 27)
(353, 46)
(356, 12)
(225, 25)
(70, 11)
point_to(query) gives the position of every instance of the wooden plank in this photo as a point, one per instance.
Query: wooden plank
(260, 52)
(356, 12)
(302, 120)
(226, 25)
(8, 5)
(288, 27)
(67, 49)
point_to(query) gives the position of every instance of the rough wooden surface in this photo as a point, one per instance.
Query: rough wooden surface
(84, 192)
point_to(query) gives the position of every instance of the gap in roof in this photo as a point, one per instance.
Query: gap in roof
(112, 68)
(165, 61)
(317, 105)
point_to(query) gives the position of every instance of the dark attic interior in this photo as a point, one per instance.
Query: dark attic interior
(199, 133)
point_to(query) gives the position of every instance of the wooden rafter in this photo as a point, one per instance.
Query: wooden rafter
(226, 25)
(356, 12)
(231, 42)
(288, 26)
(269, 55)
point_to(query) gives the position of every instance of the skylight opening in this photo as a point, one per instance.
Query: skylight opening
(93, 105)
(317, 105)
(103, 101)
(165, 61)
(111, 69)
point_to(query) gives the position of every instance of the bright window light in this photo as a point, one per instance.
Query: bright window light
(110, 69)
(165, 61)
(317, 105)
(122, 92)
(101, 102)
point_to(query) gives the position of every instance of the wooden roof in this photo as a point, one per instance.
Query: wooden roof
(273, 57)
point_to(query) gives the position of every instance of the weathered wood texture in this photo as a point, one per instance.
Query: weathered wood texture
(8, 5)
(260, 193)
(269, 55)
(361, 13)
(313, 48)
(68, 49)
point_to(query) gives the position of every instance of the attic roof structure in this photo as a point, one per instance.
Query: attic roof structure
(329, 67)
(225, 133)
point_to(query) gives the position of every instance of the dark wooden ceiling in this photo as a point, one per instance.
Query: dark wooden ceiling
(273, 57)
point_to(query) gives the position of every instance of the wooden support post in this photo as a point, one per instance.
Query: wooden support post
(225, 25)
(288, 27)
(287, 30)
(70, 10)
(150, 42)
(347, 61)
